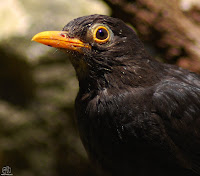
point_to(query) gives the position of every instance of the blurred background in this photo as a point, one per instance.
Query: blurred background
(38, 134)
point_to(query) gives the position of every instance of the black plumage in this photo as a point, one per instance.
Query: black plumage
(135, 115)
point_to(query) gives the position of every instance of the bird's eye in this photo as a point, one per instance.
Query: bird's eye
(101, 34)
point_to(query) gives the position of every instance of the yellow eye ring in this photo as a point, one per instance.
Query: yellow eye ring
(101, 34)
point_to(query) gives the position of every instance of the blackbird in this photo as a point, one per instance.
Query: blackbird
(135, 115)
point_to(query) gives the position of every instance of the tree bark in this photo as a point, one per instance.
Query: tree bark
(174, 32)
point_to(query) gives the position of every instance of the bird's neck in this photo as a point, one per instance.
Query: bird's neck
(133, 75)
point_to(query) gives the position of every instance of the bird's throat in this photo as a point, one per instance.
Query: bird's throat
(80, 67)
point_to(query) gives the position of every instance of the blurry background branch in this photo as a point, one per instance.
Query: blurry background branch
(38, 86)
(172, 27)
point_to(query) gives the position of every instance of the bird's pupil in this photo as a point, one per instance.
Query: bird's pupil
(102, 34)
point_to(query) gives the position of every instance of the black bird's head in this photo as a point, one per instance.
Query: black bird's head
(98, 45)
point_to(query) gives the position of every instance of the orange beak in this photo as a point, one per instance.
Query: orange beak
(59, 39)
